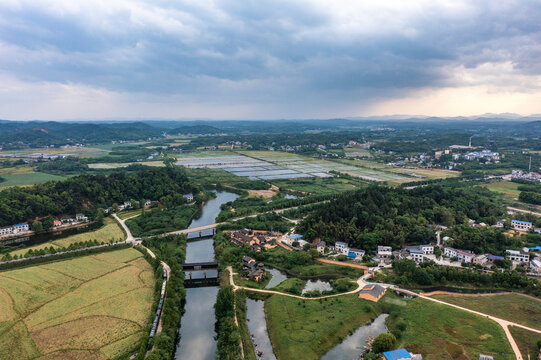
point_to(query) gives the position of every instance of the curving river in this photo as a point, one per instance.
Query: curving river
(197, 336)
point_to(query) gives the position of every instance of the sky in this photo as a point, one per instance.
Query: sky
(260, 59)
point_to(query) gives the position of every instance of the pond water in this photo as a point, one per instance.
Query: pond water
(289, 196)
(277, 277)
(320, 285)
(257, 327)
(352, 346)
(197, 334)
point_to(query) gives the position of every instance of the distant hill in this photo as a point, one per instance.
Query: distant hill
(36, 133)
(196, 129)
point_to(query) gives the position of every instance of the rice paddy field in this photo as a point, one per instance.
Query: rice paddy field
(322, 168)
(91, 307)
(109, 231)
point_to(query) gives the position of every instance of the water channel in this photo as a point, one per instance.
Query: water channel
(197, 333)
(257, 326)
(352, 346)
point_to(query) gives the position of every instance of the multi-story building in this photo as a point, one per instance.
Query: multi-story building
(341, 247)
(384, 252)
(521, 225)
(519, 256)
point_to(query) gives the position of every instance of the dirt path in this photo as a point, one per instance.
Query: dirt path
(230, 270)
(524, 211)
(487, 294)
(360, 284)
(334, 262)
(503, 323)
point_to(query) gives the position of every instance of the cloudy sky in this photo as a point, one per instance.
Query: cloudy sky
(260, 59)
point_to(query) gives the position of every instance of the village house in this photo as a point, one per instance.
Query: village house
(480, 260)
(19, 228)
(485, 357)
(188, 197)
(416, 255)
(255, 272)
(372, 292)
(57, 223)
(256, 239)
(356, 254)
(427, 249)
(519, 256)
(535, 265)
(6, 230)
(81, 217)
(465, 256)
(384, 252)
(341, 247)
(521, 225)
(319, 245)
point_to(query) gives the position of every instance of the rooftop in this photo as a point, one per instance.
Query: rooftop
(373, 289)
(397, 354)
(522, 222)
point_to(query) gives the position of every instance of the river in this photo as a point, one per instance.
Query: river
(257, 326)
(197, 333)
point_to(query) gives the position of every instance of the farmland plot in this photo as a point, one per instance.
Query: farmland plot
(92, 307)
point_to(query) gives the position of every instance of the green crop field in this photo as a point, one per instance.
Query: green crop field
(26, 179)
(526, 341)
(516, 308)
(110, 230)
(507, 188)
(92, 307)
(123, 165)
(440, 332)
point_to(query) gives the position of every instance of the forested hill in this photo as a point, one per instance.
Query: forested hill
(88, 192)
(36, 133)
(380, 215)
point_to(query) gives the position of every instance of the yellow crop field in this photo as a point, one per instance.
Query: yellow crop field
(92, 307)
(110, 230)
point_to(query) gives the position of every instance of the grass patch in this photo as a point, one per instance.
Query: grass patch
(100, 303)
(27, 179)
(516, 308)
(130, 213)
(526, 341)
(441, 332)
(307, 329)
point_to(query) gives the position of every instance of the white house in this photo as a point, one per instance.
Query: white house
(416, 255)
(427, 249)
(384, 252)
(465, 256)
(17, 228)
(521, 225)
(188, 197)
(480, 259)
(515, 255)
(341, 247)
(6, 230)
(81, 217)
(450, 252)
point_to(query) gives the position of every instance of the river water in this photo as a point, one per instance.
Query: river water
(352, 346)
(197, 333)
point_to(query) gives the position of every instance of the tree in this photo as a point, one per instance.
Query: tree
(48, 223)
(115, 207)
(384, 342)
(100, 214)
(37, 226)
(437, 251)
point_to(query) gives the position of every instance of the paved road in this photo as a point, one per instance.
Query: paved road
(122, 223)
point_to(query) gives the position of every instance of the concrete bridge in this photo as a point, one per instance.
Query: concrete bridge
(200, 274)
(209, 265)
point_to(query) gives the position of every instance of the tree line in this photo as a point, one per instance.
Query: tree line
(86, 193)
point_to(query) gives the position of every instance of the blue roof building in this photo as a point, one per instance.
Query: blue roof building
(397, 354)
(522, 222)
(535, 248)
(494, 257)
(295, 236)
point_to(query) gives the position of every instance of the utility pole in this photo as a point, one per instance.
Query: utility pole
(530, 165)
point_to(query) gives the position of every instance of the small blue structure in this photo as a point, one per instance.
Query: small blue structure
(352, 255)
(295, 236)
(397, 354)
(494, 257)
(535, 248)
